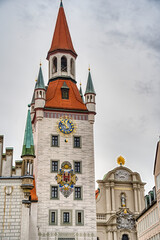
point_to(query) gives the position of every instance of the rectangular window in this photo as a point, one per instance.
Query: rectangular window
(54, 166)
(77, 142)
(78, 193)
(54, 192)
(77, 167)
(66, 217)
(54, 141)
(53, 217)
(80, 217)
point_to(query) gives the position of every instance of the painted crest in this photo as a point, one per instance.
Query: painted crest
(66, 179)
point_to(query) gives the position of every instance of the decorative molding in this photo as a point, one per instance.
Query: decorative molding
(122, 175)
(123, 188)
(73, 116)
(125, 221)
(8, 190)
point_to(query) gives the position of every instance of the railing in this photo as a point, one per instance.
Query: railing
(101, 217)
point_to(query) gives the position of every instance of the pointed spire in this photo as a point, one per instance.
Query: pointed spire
(61, 4)
(81, 93)
(28, 145)
(89, 87)
(33, 97)
(40, 81)
(61, 37)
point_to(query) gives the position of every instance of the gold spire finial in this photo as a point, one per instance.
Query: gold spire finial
(120, 160)
(40, 63)
(80, 84)
(89, 68)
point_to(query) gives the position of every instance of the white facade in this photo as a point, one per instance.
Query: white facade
(45, 153)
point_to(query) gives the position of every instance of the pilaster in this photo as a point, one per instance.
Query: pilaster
(1, 152)
(135, 198)
(108, 198)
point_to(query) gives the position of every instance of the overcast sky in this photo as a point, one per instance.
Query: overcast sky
(120, 40)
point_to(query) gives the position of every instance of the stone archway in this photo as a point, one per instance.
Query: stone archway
(125, 237)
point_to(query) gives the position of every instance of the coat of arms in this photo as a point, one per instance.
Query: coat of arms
(66, 179)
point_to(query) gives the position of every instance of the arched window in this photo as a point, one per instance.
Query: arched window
(72, 66)
(125, 237)
(54, 70)
(64, 64)
(91, 98)
(123, 200)
(40, 94)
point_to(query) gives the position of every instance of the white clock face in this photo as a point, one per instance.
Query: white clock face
(122, 175)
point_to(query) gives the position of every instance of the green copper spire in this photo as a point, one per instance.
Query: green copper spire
(28, 145)
(90, 87)
(40, 81)
(33, 97)
(81, 93)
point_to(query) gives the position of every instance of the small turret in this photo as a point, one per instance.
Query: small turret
(90, 98)
(39, 95)
(28, 156)
(33, 103)
(81, 93)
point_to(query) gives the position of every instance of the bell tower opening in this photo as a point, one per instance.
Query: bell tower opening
(54, 70)
(64, 64)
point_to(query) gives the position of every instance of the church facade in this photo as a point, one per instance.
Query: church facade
(119, 200)
(50, 194)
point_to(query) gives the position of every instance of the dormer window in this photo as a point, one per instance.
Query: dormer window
(64, 64)
(65, 91)
(54, 65)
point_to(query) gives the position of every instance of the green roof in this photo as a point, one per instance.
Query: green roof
(28, 145)
(65, 86)
(40, 81)
(81, 93)
(33, 98)
(90, 87)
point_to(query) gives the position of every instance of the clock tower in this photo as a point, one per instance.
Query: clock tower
(63, 127)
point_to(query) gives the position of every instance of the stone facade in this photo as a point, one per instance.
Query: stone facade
(148, 222)
(10, 208)
(120, 200)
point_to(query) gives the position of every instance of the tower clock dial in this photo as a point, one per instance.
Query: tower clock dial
(66, 126)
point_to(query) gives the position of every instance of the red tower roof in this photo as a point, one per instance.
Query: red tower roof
(61, 37)
(54, 96)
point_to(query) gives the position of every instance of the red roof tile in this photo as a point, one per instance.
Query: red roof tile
(33, 192)
(54, 96)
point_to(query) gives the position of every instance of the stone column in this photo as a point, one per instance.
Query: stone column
(108, 198)
(115, 235)
(25, 221)
(109, 235)
(113, 197)
(139, 199)
(135, 197)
